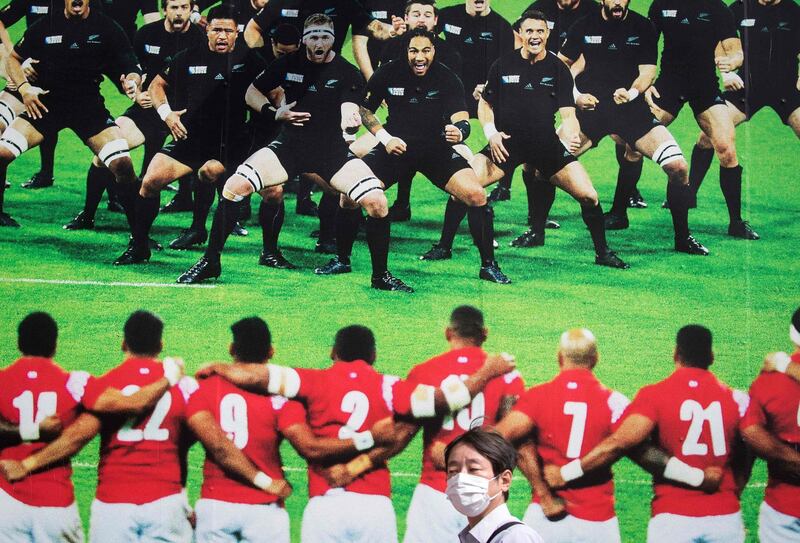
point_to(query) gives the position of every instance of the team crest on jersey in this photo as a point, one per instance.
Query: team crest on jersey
(238, 68)
(52, 40)
(783, 25)
(290, 13)
(632, 40)
(704, 17)
(380, 14)
(331, 83)
(510, 79)
(93, 38)
(551, 25)
(152, 49)
(487, 36)
(40, 10)
(593, 39)
(748, 22)
(397, 91)
(547, 81)
(297, 78)
(432, 95)
(669, 12)
(452, 29)
(198, 70)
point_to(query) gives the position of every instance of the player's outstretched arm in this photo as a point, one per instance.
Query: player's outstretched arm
(251, 377)
(326, 449)
(233, 461)
(67, 445)
(766, 445)
(741, 459)
(361, 55)
(113, 402)
(529, 464)
(253, 35)
(658, 463)
(47, 430)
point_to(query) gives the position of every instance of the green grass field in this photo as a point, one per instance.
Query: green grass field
(744, 291)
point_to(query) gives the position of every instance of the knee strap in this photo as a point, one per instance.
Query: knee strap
(7, 114)
(667, 152)
(251, 175)
(369, 184)
(113, 150)
(14, 141)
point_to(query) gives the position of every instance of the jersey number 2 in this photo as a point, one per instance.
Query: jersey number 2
(152, 430)
(356, 403)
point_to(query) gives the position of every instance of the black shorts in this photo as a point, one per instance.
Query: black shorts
(86, 116)
(784, 99)
(436, 161)
(148, 122)
(261, 132)
(629, 121)
(198, 149)
(545, 153)
(323, 158)
(701, 92)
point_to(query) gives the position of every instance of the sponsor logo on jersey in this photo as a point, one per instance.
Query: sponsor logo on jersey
(669, 12)
(510, 79)
(487, 36)
(551, 25)
(593, 39)
(93, 38)
(413, 101)
(40, 10)
(452, 29)
(297, 78)
(331, 83)
(380, 14)
(312, 88)
(547, 81)
(198, 70)
(469, 40)
(704, 17)
(74, 46)
(240, 27)
(748, 22)
(685, 21)
(152, 49)
(612, 47)
(219, 77)
(330, 11)
(50, 40)
(397, 91)
(290, 13)
(529, 86)
(632, 40)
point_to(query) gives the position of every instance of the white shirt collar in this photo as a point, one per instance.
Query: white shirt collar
(486, 527)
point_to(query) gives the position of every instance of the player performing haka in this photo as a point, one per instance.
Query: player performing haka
(618, 49)
(420, 93)
(692, 31)
(316, 94)
(72, 60)
(517, 109)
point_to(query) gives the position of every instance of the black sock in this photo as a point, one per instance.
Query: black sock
(270, 215)
(544, 194)
(47, 152)
(203, 199)
(529, 178)
(347, 222)
(378, 234)
(146, 213)
(593, 218)
(185, 186)
(679, 197)
(627, 178)
(221, 227)
(128, 194)
(619, 151)
(730, 180)
(454, 213)
(699, 165)
(403, 193)
(505, 182)
(481, 227)
(328, 208)
(304, 187)
(97, 180)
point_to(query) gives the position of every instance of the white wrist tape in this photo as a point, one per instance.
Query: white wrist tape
(423, 402)
(572, 470)
(680, 471)
(489, 130)
(633, 93)
(782, 362)
(383, 136)
(173, 370)
(163, 111)
(575, 93)
(455, 392)
(283, 381)
(29, 432)
(194, 17)
(363, 440)
(262, 480)
(794, 334)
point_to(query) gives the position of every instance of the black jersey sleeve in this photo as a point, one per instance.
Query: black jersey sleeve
(492, 83)
(376, 89)
(31, 42)
(125, 61)
(174, 71)
(736, 8)
(360, 17)
(648, 52)
(564, 86)
(148, 6)
(573, 44)
(506, 38)
(272, 77)
(138, 45)
(654, 14)
(454, 95)
(724, 25)
(13, 12)
(268, 15)
(354, 87)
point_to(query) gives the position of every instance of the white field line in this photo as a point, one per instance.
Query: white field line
(404, 475)
(32, 280)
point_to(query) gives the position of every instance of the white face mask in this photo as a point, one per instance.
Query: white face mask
(469, 494)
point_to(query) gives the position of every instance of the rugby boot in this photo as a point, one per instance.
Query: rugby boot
(80, 222)
(690, 246)
(189, 238)
(202, 270)
(333, 267)
(636, 201)
(7, 220)
(398, 213)
(38, 181)
(742, 229)
(275, 260)
(492, 272)
(437, 252)
(609, 258)
(133, 255)
(613, 221)
(499, 194)
(387, 281)
(527, 239)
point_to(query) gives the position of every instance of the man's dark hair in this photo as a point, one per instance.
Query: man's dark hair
(693, 344)
(37, 334)
(467, 322)
(143, 331)
(251, 340)
(223, 11)
(409, 3)
(417, 33)
(285, 34)
(534, 14)
(354, 342)
(489, 444)
(796, 320)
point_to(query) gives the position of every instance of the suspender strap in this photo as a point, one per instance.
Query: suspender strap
(501, 529)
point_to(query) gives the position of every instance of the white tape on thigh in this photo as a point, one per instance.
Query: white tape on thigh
(667, 152)
(14, 141)
(423, 401)
(251, 175)
(6, 113)
(369, 184)
(113, 150)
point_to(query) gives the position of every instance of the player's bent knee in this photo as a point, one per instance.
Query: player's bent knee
(13, 143)
(677, 171)
(367, 188)
(114, 151)
(375, 204)
(475, 198)
(250, 179)
(123, 171)
(272, 194)
(211, 171)
(236, 188)
(669, 152)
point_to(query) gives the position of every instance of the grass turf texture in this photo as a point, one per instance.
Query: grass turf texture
(744, 291)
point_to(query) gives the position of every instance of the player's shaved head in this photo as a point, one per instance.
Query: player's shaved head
(354, 342)
(252, 341)
(37, 334)
(579, 346)
(143, 331)
(693, 346)
(466, 322)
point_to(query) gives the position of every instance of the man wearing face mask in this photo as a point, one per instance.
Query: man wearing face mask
(479, 470)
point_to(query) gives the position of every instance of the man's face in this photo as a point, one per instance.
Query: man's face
(567, 4)
(421, 16)
(420, 55)
(478, 6)
(319, 42)
(534, 34)
(615, 9)
(465, 459)
(177, 13)
(75, 8)
(769, 2)
(222, 35)
(259, 4)
(281, 49)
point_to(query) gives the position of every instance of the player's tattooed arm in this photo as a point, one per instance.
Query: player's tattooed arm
(369, 120)
(781, 457)
(742, 459)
